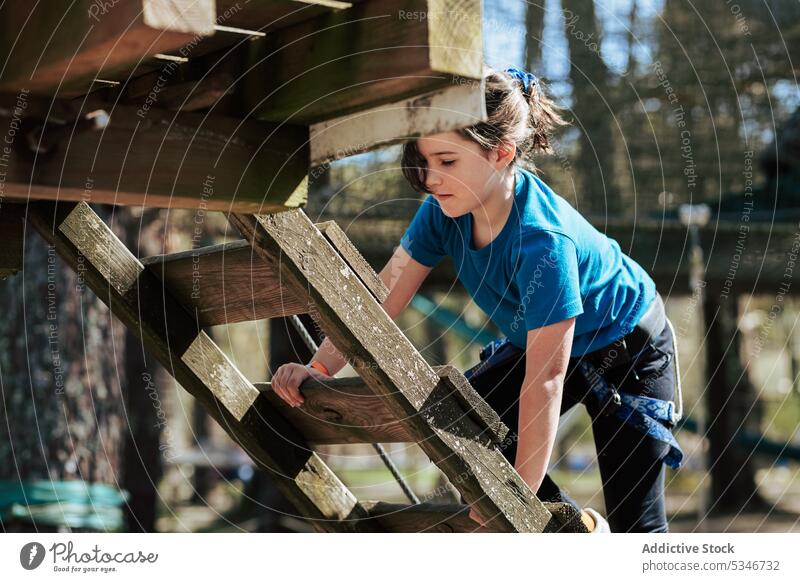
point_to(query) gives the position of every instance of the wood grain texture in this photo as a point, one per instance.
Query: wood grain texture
(345, 61)
(354, 259)
(217, 372)
(453, 518)
(229, 283)
(346, 410)
(96, 242)
(393, 368)
(173, 160)
(225, 283)
(447, 109)
(168, 331)
(59, 48)
(472, 402)
(275, 14)
(340, 411)
(455, 36)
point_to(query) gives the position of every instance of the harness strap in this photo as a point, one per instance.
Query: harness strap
(641, 412)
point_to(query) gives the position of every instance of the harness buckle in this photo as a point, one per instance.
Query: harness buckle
(611, 402)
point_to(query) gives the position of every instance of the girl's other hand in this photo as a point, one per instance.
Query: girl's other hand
(287, 380)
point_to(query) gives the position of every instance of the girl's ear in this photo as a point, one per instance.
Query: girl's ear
(503, 154)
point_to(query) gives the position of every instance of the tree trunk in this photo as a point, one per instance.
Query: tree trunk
(593, 116)
(732, 408)
(62, 390)
(534, 28)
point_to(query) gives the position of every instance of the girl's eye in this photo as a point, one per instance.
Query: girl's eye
(448, 162)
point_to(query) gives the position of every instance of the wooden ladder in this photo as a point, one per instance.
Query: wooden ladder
(287, 265)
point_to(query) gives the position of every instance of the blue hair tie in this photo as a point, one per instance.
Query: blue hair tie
(528, 79)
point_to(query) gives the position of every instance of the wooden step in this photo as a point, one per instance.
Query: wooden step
(229, 283)
(225, 283)
(346, 410)
(450, 518)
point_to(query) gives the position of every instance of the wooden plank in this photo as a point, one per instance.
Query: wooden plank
(52, 47)
(472, 402)
(374, 53)
(156, 158)
(446, 109)
(340, 411)
(169, 333)
(12, 221)
(346, 410)
(453, 518)
(339, 240)
(225, 283)
(275, 14)
(390, 365)
(228, 283)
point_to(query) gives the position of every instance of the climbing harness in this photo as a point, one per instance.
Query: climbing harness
(639, 411)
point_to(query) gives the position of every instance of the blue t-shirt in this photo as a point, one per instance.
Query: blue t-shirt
(547, 264)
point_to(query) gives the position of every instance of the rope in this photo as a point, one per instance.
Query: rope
(312, 346)
(76, 504)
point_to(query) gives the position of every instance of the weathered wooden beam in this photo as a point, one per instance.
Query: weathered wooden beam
(269, 16)
(229, 283)
(12, 222)
(339, 411)
(349, 252)
(346, 410)
(472, 402)
(374, 53)
(52, 47)
(453, 518)
(390, 365)
(225, 283)
(161, 159)
(446, 109)
(169, 332)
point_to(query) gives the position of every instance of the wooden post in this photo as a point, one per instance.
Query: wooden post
(731, 402)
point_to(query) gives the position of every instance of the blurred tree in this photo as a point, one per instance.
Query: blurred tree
(592, 111)
(62, 398)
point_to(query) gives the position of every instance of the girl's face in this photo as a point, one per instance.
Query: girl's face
(462, 175)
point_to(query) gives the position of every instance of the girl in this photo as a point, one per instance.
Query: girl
(583, 322)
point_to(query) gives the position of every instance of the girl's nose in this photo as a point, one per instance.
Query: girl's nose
(432, 179)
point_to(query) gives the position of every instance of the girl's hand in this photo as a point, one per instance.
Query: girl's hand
(287, 380)
(473, 515)
(481, 526)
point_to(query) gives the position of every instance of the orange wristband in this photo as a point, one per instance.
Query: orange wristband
(319, 366)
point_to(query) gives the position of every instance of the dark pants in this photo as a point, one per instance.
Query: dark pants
(630, 462)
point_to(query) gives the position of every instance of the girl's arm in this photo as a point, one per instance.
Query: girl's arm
(403, 276)
(547, 356)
